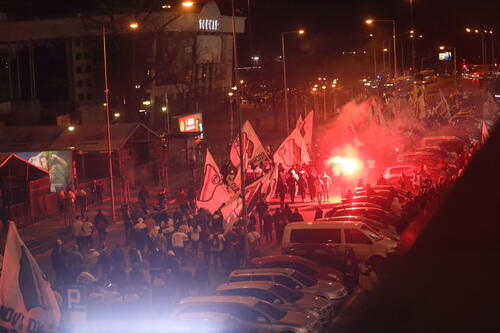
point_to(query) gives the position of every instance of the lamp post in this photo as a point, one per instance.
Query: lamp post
(324, 101)
(455, 74)
(108, 125)
(371, 21)
(483, 33)
(283, 58)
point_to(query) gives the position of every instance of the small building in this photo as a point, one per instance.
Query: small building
(24, 190)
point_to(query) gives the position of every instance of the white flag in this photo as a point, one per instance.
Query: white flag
(306, 129)
(489, 107)
(213, 193)
(254, 151)
(25, 292)
(292, 151)
(485, 134)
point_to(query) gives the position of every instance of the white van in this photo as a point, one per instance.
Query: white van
(368, 245)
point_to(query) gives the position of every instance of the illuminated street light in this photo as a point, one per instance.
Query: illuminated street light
(467, 29)
(370, 21)
(71, 128)
(163, 109)
(283, 57)
(455, 77)
(323, 87)
(117, 115)
(385, 50)
(146, 103)
(134, 25)
(314, 89)
(230, 94)
(421, 36)
(187, 3)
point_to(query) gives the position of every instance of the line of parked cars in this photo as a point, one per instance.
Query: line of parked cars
(286, 293)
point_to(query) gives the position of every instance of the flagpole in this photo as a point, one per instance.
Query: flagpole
(240, 139)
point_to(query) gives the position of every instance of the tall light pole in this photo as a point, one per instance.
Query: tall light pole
(371, 21)
(455, 74)
(108, 125)
(324, 101)
(283, 58)
(412, 40)
(484, 47)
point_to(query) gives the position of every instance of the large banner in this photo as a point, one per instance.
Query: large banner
(214, 193)
(305, 128)
(27, 302)
(292, 151)
(254, 151)
(57, 163)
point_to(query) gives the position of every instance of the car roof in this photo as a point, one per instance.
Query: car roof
(323, 224)
(350, 218)
(216, 316)
(279, 257)
(257, 271)
(247, 300)
(359, 209)
(246, 285)
(312, 245)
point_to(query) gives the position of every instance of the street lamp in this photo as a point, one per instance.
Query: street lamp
(133, 25)
(300, 32)
(187, 3)
(455, 74)
(371, 21)
(324, 101)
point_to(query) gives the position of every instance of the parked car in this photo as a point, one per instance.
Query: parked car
(379, 200)
(322, 254)
(281, 296)
(210, 322)
(300, 264)
(384, 230)
(449, 143)
(341, 205)
(253, 311)
(377, 214)
(293, 279)
(368, 245)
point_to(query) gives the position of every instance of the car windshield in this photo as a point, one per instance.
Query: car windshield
(288, 294)
(305, 280)
(270, 310)
(371, 233)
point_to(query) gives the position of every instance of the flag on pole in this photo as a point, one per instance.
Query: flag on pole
(254, 151)
(490, 108)
(485, 134)
(25, 293)
(213, 193)
(306, 129)
(299, 120)
(292, 151)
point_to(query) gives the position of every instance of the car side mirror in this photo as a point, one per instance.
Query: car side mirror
(277, 301)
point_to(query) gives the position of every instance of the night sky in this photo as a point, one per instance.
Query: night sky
(332, 26)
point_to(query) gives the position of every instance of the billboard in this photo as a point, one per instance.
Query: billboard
(445, 56)
(191, 123)
(57, 163)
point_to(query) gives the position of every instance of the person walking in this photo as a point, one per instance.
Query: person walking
(302, 185)
(101, 224)
(140, 234)
(142, 197)
(296, 216)
(58, 258)
(93, 192)
(86, 234)
(254, 242)
(81, 200)
(281, 189)
(318, 214)
(217, 240)
(178, 240)
(268, 227)
(76, 230)
(127, 222)
(292, 185)
(261, 209)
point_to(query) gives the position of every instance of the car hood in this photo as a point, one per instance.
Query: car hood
(332, 290)
(388, 243)
(312, 301)
(297, 318)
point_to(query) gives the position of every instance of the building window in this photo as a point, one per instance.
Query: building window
(78, 56)
(86, 55)
(87, 69)
(88, 83)
(79, 83)
(79, 70)
(89, 96)
(78, 41)
(80, 97)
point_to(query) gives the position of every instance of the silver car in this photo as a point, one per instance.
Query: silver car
(251, 310)
(281, 296)
(293, 279)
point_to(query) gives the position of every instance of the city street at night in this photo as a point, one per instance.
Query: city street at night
(249, 166)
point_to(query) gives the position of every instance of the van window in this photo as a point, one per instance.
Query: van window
(315, 236)
(262, 278)
(354, 236)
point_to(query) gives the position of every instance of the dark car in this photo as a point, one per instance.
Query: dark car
(377, 214)
(375, 199)
(340, 205)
